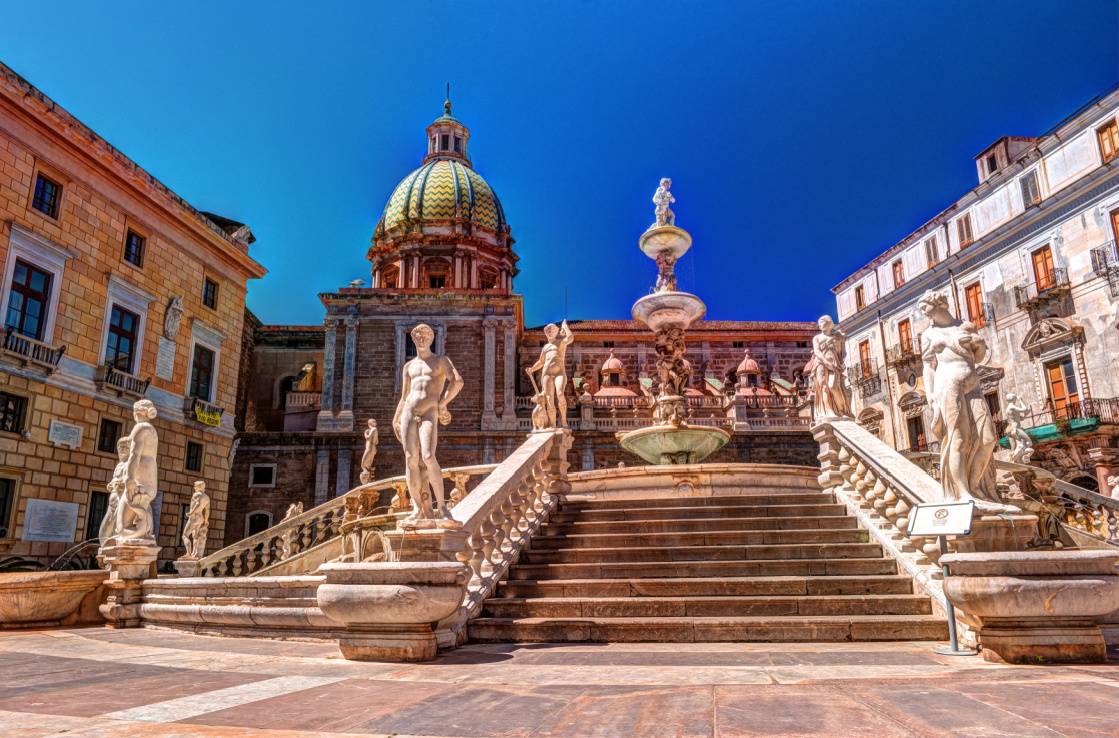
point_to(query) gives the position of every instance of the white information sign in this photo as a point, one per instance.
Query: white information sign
(47, 520)
(65, 434)
(165, 359)
(942, 519)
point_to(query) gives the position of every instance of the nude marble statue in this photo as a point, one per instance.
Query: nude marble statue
(666, 272)
(1021, 445)
(115, 488)
(141, 473)
(197, 523)
(430, 383)
(369, 456)
(663, 199)
(951, 350)
(826, 366)
(550, 391)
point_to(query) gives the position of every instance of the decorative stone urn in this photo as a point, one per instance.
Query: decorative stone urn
(1036, 606)
(389, 609)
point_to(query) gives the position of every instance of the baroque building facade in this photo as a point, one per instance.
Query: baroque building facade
(442, 254)
(1029, 257)
(112, 289)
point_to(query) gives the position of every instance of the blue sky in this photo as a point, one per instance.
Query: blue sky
(803, 138)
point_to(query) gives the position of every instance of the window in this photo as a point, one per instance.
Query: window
(98, 504)
(193, 456)
(436, 281)
(262, 475)
(992, 164)
(444, 142)
(899, 273)
(209, 293)
(28, 300)
(607, 344)
(487, 279)
(864, 357)
(120, 347)
(931, 255)
(458, 144)
(1108, 136)
(48, 194)
(973, 296)
(257, 522)
(860, 298)
(963, 230)
(389, 277)
(905, 336)
(134, 248)
(7, 502)
(802, 344)
(409, 346)
(1061, 378)
(1042, 260)
(13, 409)
(201, 372)
(1031, 195)
(992, 400)
(915, 429)
(108, 435)
(738, 344)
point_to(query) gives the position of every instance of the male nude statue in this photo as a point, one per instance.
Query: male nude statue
(430, 384)
(134, 510)
(553, 380)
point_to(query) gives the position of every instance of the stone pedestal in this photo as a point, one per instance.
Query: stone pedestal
(389, 609)
(188, 567)
(990, 533)
(1036, 606)
(129, 564)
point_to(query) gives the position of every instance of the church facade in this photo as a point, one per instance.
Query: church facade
(442, 254)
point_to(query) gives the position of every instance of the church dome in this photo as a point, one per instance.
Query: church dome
(443, 191)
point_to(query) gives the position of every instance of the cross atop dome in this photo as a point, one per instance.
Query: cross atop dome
(446, 136)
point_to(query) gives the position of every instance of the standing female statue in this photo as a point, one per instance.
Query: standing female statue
(951, 350)
(826, 366)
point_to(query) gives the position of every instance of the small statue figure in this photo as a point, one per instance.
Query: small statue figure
(1113, 487)
(826, 370)
(369, 456)
(1021, 445)
(116, 490)
(134, 510)
(172, 317)
(666, 272)
(550, 392)
(430, 383)
(662, 199)
(951, 350)
(295, 508)
(197, 523)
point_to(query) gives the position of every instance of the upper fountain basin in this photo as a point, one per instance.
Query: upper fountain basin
(659, 239)
(668, 310)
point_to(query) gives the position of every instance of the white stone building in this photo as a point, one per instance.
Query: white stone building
(1029, 256)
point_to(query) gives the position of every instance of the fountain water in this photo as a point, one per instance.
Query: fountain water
(668, 313)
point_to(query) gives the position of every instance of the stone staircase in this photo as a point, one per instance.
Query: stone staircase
(762, 565)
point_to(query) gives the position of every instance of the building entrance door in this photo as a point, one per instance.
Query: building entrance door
(916, 428)
(1062, 388)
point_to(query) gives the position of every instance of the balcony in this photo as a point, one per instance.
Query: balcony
(903, 355)
(28, 351)
(1073, 419)
(199, 410)
(1048, 289)
(1105, 264)
(109, 378)
(303, 400)
(865, 377)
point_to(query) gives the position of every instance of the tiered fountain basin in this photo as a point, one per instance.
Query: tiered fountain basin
(668, 444)
(661, 310)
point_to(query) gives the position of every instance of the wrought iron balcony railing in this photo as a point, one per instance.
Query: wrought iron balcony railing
(110, 378)
(1049, 286)
(29, 351)
(903, 354)
(865, 377)
(206, 413)
(1105, 264)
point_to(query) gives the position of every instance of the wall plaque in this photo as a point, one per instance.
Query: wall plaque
(65, 434)
(47, 520)
(165, 359)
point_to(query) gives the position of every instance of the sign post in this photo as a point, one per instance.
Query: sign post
(941, 520)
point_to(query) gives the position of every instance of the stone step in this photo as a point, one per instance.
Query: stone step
(871, 584)
(682, 607)
(713, 525)
(697, 538)
(796, 628)
(752, 498)
(679, 554)
(680, 569)
(701, 512)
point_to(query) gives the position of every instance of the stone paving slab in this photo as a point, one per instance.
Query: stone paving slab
(153, 683)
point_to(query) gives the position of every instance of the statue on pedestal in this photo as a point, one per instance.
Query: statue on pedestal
(369, 456)
(1021, 445)
(666, 272)
(116, 491)
(826, 366)
(549, 393)
(430, 383)
(197, 523)
(662, 199)
(951, 350)
(295, 508)
(140, 482)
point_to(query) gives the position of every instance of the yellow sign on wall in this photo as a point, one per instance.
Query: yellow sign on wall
(207, 417)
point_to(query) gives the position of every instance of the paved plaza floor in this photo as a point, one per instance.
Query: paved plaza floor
(99, 682)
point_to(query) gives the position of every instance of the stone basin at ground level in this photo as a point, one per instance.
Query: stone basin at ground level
(50, 598)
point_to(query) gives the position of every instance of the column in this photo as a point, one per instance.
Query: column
(326, 407)
(489, 328)
(349, 360)
(322, 476)
(509, 413)
(342, 480)
(1106, 461)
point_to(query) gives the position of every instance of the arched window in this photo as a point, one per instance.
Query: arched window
(487, 278)
(286, 385)
(390, 276)
(257, 522)
(436, 273)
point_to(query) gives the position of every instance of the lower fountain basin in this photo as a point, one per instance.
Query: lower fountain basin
(668, 310)
(668, 444)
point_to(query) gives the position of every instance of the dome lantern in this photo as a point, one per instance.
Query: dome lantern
(447, 136)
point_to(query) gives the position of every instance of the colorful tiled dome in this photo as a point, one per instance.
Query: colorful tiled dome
(443, 190)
